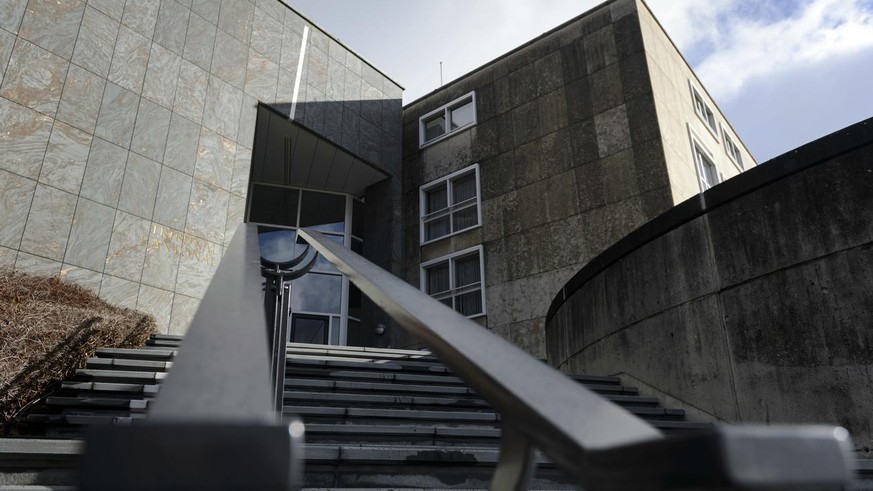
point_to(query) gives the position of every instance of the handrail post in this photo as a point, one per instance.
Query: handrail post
(213, 424)
(277, 305)
(516, 466)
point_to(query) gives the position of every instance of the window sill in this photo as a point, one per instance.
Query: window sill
(432, 241)
(445, 136)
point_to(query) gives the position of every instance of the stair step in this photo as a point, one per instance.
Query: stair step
(99, 387)
(402, 434)
(137, 354)
(136, 405)
(365, 363)
(356, 354)
(119, 376)
(128, 364)
(294, 370)
(415, 400)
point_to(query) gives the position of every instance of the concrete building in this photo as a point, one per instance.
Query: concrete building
(135, 137)
(572, 140)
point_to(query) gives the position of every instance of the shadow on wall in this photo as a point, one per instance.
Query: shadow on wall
(369, 129)
(750, 303)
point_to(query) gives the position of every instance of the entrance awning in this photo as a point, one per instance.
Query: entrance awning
(290, 154)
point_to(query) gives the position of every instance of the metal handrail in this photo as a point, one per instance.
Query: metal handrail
(213, 425)
(598, 443)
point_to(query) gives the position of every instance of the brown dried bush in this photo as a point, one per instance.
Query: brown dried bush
(48, 329)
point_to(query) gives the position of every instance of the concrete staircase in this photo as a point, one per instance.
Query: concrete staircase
(375, 418)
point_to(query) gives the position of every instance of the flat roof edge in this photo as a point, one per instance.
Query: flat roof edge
(343, 44)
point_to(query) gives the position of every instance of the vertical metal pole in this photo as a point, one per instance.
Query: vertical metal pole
(516, 465)
(279, 344)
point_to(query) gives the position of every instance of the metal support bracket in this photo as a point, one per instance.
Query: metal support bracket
(517, 462)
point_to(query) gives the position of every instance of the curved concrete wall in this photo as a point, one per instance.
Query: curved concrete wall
(750, 303)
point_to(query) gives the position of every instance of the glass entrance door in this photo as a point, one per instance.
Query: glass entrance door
(306, 328)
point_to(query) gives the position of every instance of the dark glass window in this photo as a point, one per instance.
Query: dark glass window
(273, 205)
(309, 329)
(354, 301)
(316, 292)
(357, 218)
(324, 212)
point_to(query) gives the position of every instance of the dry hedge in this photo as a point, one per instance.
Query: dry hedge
(48, 329)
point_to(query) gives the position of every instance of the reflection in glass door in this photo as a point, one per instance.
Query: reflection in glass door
(309, 328)
(321, 295)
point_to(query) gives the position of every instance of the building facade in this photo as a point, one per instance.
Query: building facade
(127, 131)
(136, 136)
(574, 140)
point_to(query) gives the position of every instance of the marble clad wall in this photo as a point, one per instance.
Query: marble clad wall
(125, 138)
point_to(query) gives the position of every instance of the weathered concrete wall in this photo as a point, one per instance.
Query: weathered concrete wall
(126, 132)
(570, 159)
(670, 75)
(750, 305)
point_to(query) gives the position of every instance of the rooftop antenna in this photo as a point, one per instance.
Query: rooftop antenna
(441, 74)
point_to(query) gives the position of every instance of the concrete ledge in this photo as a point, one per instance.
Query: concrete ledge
(748, 303)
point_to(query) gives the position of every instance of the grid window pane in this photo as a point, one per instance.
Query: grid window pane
(467, 271)
(457, 283)
(466, 218)
(464, 188)
(463, 115)
(470, 303)
(436, 228)
(708, 174)
(437, 278)
(436, 199)
(434, 128)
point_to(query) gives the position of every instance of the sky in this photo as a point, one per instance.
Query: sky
(784, 72)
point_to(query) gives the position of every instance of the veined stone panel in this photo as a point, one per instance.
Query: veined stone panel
(126, 134)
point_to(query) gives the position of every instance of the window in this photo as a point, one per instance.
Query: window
(450, 205)
(456, 280)
(703, 110)
(706, 171)
(321, 301)
(732, 150)
(452, 117)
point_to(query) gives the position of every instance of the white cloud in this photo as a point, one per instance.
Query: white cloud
(690, 22)
(734, 44)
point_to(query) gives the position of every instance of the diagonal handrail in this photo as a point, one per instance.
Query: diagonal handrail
(213, 424)
(595, 441)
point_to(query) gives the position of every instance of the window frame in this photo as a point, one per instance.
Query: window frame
(700, 151)
(445, 111)
(451, 207)
(453, 292)
(732, 150)
(700, 106)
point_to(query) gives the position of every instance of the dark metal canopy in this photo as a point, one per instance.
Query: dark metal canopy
(290, 154)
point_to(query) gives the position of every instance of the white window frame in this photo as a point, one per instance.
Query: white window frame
(703, 110)
(732, 150)
(454, 292)
(446, 112)
(699, 152)
(452, 206)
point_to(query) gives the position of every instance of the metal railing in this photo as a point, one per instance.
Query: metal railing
(214, 424)
(277, 307)
(598, 443)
